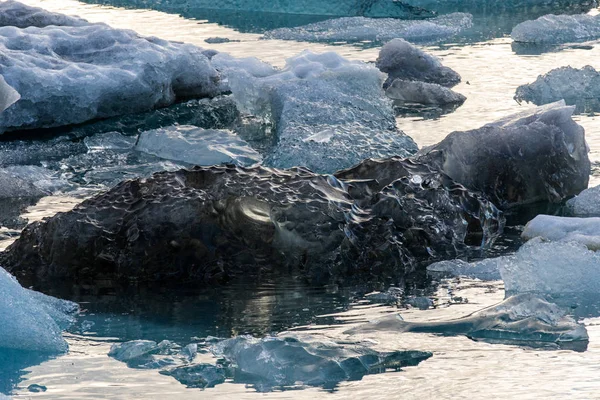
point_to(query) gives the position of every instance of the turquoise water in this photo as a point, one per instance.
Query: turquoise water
(491, 67)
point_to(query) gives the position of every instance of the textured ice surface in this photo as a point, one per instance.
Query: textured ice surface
(72, 74)
(552, 267)
(586, 203)
(536, 155)
(487, 269)
(8, 95)
(13, 13)
(565, 229)
(197, 375)
(402, 60)
(360, 29)
(520, 319)
(579, 87)
(554, 29)
(422, 93)
(329, 113)
(197, 146)
(31, 321)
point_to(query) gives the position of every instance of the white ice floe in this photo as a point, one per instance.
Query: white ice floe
(71, 74)
(556, 29)
(329, 112)
(197, 146)
(565, 229)
(359, 29)
(32, 321)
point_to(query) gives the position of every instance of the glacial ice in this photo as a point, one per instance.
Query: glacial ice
(71, 74)
(197, 146)
(14, 13)
(565, 229)
(486, 270)
(520, 319)
(31, 320)
(586, 203)
(402, 60)
(329, 113)
(555, 29)
(578, 87)
(361, 29)
(8, 95)
(536, 155)
(422, 93)
(551, 267)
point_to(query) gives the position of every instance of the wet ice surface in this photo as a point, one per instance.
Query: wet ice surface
(459, 365)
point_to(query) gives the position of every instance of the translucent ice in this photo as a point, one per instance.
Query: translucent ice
(565, 229)
(487, 270)
(329, 113)
(8, 95)
(197, 146)
(360, 29)
(520, 319)
(579, 87)
(32, 321)
(401, 60)
(586, 203)
(554, 29)
(422, 93)
(72, 74)
(536, 155)
(552, 267)
(197, 375)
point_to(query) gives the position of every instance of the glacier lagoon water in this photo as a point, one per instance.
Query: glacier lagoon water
(492, 68)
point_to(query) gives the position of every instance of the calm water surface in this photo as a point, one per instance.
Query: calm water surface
(460, 368)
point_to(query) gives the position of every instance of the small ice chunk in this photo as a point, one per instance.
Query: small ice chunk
(360, 29)
(109, 141)
(586, 203)
(486, 270)
(422, 93)
(402, 60)
(420, 302)
(552, 267)
(32, 321)
(556, 29)
(131, 350)
(189, 351)
(565, 229)
(197, 146)
(197, 375)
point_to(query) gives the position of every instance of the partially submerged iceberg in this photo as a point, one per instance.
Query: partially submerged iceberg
(402, 60)
(422, 93)
(565, 229)
(586, 203)
(197, 146)
(578, 87)
(556, 29)
(13, 13)
(521, 319)
(533, 156)
(329, 113)
(360, 29)
(71, 74)
(32, 321)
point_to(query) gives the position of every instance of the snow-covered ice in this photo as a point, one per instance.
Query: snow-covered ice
(32, 321)
(556, 29)
(197, 146)
(586, 203)
(565, 229)
(422, 93)
(329, 113)
(71, 74)
(360, 29)
(402, 60)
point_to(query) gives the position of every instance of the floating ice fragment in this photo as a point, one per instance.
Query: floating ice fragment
(422, 93)
(128, 351)
(197, 375)
(487, 269)
(586, 203)
(554, 29)
(13, 13)
(565, 229)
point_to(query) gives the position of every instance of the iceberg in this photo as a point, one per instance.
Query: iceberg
(565, 229)
(578, 87)
(329, 113)
(197, 146)
(523, 319)
(586, 203)
(71, 74)
(422, 93)
(32, 321)
(533, 156)
(557, 29)
(14, 13)
(402, 60)
(361, 29)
